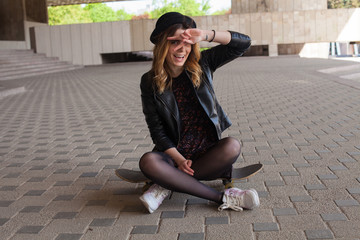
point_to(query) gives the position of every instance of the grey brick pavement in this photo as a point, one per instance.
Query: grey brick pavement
(61, 140)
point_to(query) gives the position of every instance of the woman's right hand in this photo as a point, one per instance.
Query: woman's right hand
(185, 166)
(182, 163)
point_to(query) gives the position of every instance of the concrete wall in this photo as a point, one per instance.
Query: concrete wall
(4, 45)
(84, 43)
(252, 6)
(26, 44)
(36, 11)
(16, 17)
(12, 16)
(71, 2)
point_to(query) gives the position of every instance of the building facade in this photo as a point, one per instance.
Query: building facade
(304, 27)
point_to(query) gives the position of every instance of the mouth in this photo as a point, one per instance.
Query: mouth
(179, 58)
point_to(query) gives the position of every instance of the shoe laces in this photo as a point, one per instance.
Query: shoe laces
(159, 192)
(233, 201)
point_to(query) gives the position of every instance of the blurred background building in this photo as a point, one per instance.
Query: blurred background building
(277, 27)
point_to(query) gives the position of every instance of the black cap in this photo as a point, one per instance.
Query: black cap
(169, 19)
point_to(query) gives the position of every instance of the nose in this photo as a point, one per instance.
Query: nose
(181, 47)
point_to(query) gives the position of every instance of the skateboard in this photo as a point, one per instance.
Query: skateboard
(136, 176)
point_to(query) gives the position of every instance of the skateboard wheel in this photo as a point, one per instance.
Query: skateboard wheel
(228, 184)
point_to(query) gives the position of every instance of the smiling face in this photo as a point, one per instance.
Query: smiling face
(176, 58)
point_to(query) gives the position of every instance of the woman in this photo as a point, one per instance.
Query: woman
(185, 119)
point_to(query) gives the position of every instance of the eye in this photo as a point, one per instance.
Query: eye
(175, 42)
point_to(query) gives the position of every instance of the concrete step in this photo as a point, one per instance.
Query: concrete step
(28, 67)
(351, 72)
(12, 91)
(16, 64)
(38, 72)
(15, 51)
(354, 76)
(341, 69)
(22, 58)
(32, 64)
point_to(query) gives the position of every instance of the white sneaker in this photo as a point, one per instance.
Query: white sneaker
(238, 199)
(153, 197)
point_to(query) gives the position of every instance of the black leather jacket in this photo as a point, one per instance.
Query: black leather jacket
(161, 111)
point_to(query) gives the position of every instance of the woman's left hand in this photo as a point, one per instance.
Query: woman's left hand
(185, 166)
(189, 36)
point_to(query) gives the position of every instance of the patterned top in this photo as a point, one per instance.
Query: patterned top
(197, 133)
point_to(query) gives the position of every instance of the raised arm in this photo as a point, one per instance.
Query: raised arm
(222, 37)
(195, 35)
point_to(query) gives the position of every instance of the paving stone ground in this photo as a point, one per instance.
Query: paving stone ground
(62, 138)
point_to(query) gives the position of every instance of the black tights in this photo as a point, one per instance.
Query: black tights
(215, 163)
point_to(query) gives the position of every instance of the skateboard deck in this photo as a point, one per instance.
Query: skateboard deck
(136, 176)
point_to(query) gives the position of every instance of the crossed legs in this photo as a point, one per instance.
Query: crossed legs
(160, 168)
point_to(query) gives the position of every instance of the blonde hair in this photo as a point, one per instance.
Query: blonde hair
(162, 77)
